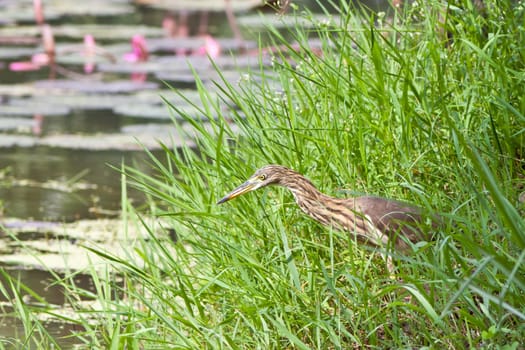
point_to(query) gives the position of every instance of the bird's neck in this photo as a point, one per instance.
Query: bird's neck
(331, 211)
(309, 198)
(303, 190)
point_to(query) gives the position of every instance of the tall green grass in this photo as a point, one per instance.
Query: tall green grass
(426, 107)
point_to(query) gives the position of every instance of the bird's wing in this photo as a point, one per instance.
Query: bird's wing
(394, 218)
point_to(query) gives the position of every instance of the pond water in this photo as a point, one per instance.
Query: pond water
(39, 172)
(63, 126)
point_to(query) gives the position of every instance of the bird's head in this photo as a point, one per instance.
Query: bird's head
(267, 175)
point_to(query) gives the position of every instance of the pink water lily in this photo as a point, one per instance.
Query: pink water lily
(41, 59)
(139, 49)
(23, 66)
(211, 47)
(90, 50)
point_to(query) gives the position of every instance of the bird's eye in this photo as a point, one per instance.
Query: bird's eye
(262, 177)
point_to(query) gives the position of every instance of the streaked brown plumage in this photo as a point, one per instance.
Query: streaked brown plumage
(373, 220)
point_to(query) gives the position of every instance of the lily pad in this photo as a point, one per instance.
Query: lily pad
(277, 21)
(186, 77)
(157, 112)
(151, 128)
(78, 31)
(143, 104)
(158, 64)
(194, 43)
(107, 31)
(9, 141)
(143, 110)
(18, 124)
(132, 140)
(95, 86)
(75, 55)
(20, 11)
(61, 252)
(78, 101)
(224, 61)
(17, 90)
(15, 52)
(186, 64)
(36, 247)
(102, 142)
(201, 5)
(54, 9)
(32, 109)
(232, 76)
(60, 8)
(191, 97)
(161, 110)
(127, 67)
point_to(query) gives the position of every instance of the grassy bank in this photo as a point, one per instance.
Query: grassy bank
(427, 107)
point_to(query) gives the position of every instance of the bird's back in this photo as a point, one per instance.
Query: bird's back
(397, 220)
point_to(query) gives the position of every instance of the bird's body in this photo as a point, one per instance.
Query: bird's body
(372, 220)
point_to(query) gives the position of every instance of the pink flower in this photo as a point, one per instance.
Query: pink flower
(90, 48)
(211, 47)
(139, 51)
(38, 61)
(23, 66)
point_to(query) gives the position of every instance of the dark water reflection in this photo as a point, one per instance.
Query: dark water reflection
(12, 330)
(44, 165)
(45, 284)
(14, 336)
(83, 121)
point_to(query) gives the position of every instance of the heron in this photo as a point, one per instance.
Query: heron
(374, 221)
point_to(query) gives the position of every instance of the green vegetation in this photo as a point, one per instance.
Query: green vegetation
(425, 107)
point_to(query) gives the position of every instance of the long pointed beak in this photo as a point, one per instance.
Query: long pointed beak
(245, 187)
